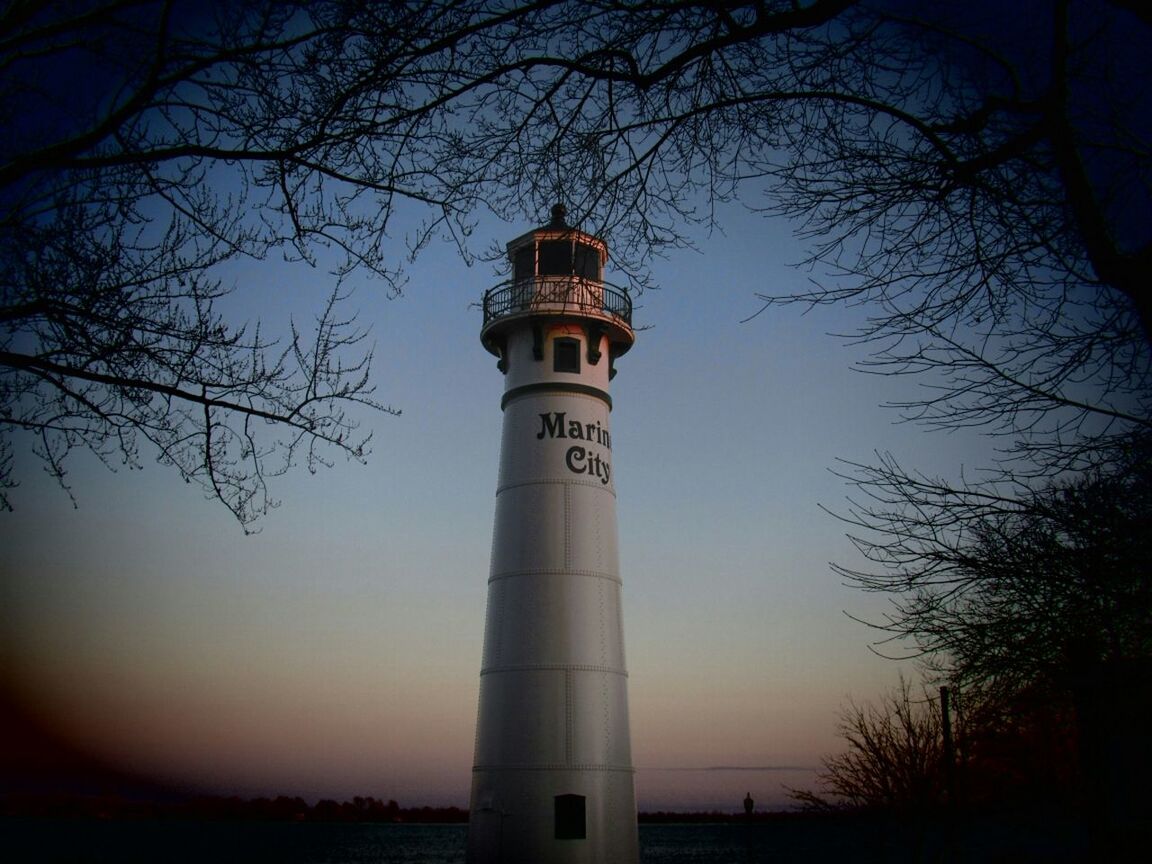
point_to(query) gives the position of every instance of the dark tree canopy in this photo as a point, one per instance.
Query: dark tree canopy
(977, 177)
(144, 145)
(901, 757)
(1043, 590)
(893, 760)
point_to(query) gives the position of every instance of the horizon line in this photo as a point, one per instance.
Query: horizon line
(730, 768)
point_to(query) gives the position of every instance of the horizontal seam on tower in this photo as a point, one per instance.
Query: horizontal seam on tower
(569, 388)
(558, 571)
(594, 484)
(557, 667)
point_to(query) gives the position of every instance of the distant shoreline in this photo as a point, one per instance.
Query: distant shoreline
(295, 809)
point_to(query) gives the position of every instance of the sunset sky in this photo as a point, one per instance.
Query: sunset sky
(337, 652)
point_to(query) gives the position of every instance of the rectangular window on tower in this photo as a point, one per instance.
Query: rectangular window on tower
(566, 355)
(587, 262)
(524, 263)
(570, 822)
(556, 258)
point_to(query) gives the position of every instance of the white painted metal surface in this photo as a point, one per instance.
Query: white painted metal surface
(553, 778)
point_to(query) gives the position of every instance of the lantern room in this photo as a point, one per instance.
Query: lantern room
(558, 273)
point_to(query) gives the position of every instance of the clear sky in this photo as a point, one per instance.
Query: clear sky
(337, 652)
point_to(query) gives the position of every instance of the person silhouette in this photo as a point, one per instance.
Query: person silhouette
(748, 804)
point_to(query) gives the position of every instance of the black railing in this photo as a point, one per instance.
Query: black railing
(557, 293)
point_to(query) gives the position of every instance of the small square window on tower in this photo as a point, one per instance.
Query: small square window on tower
(570, 822)
(566, 355)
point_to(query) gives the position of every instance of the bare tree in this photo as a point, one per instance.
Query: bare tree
(979, 184)
(1040, 597)
(897, 757)
(977, 177)
(146, 144)
(893, 758)
(1012, 589)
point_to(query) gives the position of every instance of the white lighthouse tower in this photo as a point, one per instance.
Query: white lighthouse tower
(552, 779)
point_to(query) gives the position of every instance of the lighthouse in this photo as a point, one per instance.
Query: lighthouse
(552, 780)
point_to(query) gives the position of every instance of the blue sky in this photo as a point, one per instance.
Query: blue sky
(336, 653)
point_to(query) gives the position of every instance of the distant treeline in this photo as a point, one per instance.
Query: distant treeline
(224, 809)
(288, 809)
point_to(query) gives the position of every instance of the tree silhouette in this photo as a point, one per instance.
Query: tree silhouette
(1041, 597)
(1012, 592)
(976, 177)
(1007, 757)
(893, 760)
(146, 145)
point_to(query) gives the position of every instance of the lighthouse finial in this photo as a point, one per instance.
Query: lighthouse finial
(559, 212)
